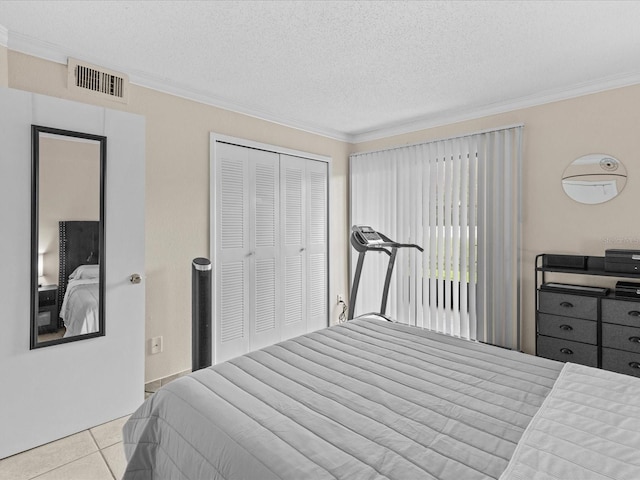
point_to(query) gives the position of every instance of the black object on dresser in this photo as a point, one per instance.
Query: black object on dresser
(47, 309)
(587, 325)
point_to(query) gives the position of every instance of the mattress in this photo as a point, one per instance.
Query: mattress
(79, 309)
(367, 399)
(587, 428)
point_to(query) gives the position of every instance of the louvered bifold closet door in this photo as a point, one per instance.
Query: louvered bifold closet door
(303, 213)
(265, 249)
(293, 207)
(232, 270)
(316, 196)
(247, 267)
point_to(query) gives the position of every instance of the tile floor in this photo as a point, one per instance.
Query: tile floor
(94, 454)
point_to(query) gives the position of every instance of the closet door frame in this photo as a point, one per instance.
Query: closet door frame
(214, 140)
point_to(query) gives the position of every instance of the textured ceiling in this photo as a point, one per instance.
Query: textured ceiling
(345, 69)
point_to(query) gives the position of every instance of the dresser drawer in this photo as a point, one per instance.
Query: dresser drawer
(622, 312)
(576, 306)
(585, 331)
(567, 351)
(621, 337)
(621, 362)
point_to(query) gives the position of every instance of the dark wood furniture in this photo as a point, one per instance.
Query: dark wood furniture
(598, 330)
(47, 309)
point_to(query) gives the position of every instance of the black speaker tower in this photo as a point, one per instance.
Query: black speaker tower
(201, 313)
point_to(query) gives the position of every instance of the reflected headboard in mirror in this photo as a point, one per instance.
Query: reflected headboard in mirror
(79, 245)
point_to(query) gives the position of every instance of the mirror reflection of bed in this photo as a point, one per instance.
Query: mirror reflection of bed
(78, 281)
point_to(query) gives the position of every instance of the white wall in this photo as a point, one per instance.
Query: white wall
(51, 392)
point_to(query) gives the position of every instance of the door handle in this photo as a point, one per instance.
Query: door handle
(135, 278)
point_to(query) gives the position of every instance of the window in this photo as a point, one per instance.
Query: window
(459, 199)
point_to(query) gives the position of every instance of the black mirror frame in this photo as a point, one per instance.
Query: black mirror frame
(35, 196)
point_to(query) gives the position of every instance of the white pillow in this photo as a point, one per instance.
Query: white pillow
(85, 272)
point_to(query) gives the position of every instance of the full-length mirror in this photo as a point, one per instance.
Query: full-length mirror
(594, 178)
(67, 242)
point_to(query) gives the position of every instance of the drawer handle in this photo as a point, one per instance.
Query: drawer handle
(634, 339)
(634, 313)
(566, 351)
(568, 328)
(634, 364)
(570, 305)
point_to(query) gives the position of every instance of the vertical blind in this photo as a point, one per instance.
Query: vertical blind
(459, 199)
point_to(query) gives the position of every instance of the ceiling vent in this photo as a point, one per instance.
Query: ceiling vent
(97, 81)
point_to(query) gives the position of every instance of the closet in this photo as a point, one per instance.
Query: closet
(269, 246)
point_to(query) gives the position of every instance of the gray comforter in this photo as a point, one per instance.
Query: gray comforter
(364, 400)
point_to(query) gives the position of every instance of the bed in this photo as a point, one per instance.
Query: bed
(79, 276)
(372, 399)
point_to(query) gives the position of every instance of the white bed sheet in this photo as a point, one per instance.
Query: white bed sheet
(80, 307)
(588, 428)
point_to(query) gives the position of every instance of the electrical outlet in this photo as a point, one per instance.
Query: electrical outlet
(155, 345)
(340, 299)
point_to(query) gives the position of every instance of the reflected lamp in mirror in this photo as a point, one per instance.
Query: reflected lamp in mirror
(40, 267)
(594, 178)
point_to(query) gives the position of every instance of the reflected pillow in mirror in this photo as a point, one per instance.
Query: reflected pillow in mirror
(85, 272)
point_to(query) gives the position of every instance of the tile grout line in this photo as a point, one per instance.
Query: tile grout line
(63, 465)
(67, 463)
(104, 459)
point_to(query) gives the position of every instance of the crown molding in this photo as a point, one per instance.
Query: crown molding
(175, 89)
(4, 36)
(38, 48)
(54, 53)
(448, 118)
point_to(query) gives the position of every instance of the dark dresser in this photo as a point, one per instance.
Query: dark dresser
(586, 327)
(47, 309)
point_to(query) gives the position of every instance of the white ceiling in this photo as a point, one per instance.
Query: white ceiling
(348, 70)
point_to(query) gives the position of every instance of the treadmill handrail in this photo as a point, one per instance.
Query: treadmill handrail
(403, 245)
(387, 246)
(381, 246)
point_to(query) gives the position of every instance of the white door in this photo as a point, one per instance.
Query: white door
(269, 239)
(304, 244)
(90, 381)
(232, 269)
(316, 245)
(247, 250)
(265, 248)
(293, 211)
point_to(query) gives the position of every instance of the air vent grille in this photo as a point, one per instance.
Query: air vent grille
(94, 80)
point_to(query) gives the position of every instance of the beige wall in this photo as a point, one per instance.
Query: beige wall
(554, 135)
(69, 189)
(177, 195)
(4, 66)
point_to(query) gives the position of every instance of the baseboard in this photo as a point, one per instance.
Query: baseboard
(153, 386)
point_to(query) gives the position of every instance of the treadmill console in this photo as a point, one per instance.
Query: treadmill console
(366, 235)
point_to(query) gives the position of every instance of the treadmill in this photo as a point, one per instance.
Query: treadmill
(365, 239)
